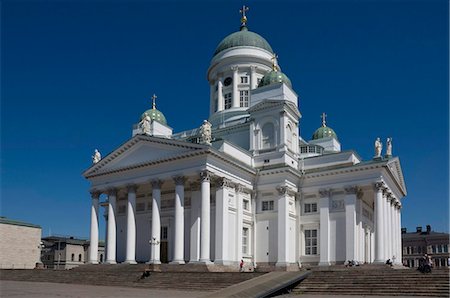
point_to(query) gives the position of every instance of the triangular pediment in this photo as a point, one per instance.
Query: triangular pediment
(395, 169)
(141, 149)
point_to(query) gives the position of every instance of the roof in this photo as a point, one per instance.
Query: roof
(7, 221)
(273, 77)
(243, 38)
(423, 234)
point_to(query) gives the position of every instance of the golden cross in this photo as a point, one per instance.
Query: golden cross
(154, 97)
(244, 17)
(274, 64)
(324, 119)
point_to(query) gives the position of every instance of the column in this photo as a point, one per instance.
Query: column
(283, 227)
(387, 226)
(350, 224)
(205, 218)
(253, 78)
(106, 233)
(220, 102)
(221, 253)
(155, 240)
(195, 223)
(238, 191)
(178, 254)
(399, 240)
(324, 203)
(235, 99)
(379, 227)
(212, 100)
(111, 246)
(131, 225)
(93, 247)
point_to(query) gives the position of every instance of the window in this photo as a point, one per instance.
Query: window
(310, 208)
(72, 258)
(244, 80)
(140, 206)
(163, 233)
(245, 241)
(79, 258)
(310, 242)
(267, 205)
(439, 248)
(243, 98)
(227, 97)
(246, 205)
(227, 81)
(433, 248)
(268, 136)
(445, 248)
(303, 149)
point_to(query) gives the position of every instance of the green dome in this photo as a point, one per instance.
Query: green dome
(243, 38)
(274, 77)
(324, 132)
(156, 115)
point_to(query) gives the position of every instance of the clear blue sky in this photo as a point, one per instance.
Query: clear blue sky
(76, 75)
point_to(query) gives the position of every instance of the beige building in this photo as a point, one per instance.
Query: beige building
(416, 244)
(67, 252)
(20, 244)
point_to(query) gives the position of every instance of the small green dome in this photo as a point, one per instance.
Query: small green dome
(243, 38)
(324, 132)
(156, 115)
(274, 77)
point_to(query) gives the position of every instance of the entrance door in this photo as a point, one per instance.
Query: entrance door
(164, 253)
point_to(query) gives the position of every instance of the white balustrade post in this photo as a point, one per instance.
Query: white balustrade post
(178, 255)
(205, 218)
(111, 246)
(93, 246)
(379, 218)
(131, 225)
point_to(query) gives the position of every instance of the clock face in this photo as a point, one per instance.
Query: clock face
(227, 81)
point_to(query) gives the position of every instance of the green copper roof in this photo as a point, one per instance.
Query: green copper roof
(156, 115)
(274, 77)
(243, 38)
(324, 132)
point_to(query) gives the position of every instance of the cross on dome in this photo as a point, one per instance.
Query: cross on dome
(244, 17)
(154, 97)
(324, 119)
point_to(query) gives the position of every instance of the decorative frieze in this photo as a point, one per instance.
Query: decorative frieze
(351, 190)
(324, 193)
(337, 205)
(132, 188)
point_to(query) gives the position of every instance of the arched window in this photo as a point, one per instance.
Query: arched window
(268, 136)
(79, 258)
(289, 136)
(73, 257)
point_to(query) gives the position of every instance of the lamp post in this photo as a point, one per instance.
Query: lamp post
(153, 242)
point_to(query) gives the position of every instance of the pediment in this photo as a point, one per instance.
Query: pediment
(395, 169)
(141, 149)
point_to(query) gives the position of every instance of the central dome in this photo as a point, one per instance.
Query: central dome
(243, 38)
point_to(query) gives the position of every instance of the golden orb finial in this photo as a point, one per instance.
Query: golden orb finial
(243, 17)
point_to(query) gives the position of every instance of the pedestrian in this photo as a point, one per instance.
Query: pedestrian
(241, 265)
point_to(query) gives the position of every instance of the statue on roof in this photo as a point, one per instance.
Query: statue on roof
(378, 148)
(205, 131)
(96, 157)
(389, 147)
(144, 125)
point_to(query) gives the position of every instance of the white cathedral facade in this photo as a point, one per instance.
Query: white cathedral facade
(245, 185)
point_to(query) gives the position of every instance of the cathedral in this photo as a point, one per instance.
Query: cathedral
(245, 185)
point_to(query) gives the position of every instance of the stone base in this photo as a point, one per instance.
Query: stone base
(285, 266)
(324, 264)
(177, 262)
(111, 262)
(130, 262)
(93, 262)
(153, 262)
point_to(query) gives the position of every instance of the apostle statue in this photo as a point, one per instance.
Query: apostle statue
(205, 131)
(378, 147)
(144, 125)
(389, 147)
(96, 157)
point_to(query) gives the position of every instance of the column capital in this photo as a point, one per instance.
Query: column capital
(179, 180)
(324, 193)
(224, 182)
(282, 190)
(195, 185)
(95, 194)
(378, 186)
(234, 68)
(205, 176)
(112, 191)
(253, 67)
(132, 187)
(353, 190)
(239, 188)
(156, 184)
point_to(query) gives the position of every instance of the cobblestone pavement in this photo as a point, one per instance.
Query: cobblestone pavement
(51, 290)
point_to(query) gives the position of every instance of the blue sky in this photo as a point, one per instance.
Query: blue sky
(76, 75)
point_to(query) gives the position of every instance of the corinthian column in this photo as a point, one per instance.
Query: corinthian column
(253, 79)
(283, 227)
(156, 222)
(379, 219)
(205, 218)
(178, 254)
(350, 223)
(93, 247)
(131, 226)
(324, 203)
(111, 246)
(235, 87)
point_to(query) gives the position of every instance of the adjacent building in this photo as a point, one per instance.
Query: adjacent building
(20, 244)
(245, 184)
(416, 244)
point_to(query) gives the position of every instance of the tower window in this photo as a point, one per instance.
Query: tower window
(227, 97)
(267, 205)
(243, 98)
(244, 80)
(227, 81)
(268, 136)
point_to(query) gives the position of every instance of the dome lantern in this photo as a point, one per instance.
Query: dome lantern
(324, 131)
